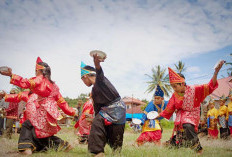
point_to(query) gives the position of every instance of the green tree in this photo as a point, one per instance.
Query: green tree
(19, 89)
(145, 101)
(180, 67)
(73, 102)
(83, 97)
(229, 70)
(145, 105)
(159, 77)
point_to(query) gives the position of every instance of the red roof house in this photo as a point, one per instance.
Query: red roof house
(224, 87)
(133, 105)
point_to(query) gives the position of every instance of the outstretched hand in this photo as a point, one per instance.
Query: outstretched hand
(217, 69)
(7, 73)
(2, 94)
(97, 59)
(157, 117)
(219, 66)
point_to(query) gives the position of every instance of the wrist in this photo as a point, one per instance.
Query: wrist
(216, 73)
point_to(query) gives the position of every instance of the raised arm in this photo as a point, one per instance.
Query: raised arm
(22, 96)
(97, 61)
(217, 69)
(16, 80)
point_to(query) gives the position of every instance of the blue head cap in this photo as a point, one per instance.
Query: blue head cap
(83, 71)
(159, 91)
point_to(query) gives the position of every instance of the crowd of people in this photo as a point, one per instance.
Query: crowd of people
(221, 117)
(101, 120)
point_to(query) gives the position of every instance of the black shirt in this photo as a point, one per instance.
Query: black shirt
(103, 92)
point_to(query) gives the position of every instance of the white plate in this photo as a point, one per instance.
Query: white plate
(101, 54)
(136, 121)
(152, 115)
(4, 69)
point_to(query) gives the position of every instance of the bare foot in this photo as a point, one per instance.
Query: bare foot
(27, 151)
(200, 152)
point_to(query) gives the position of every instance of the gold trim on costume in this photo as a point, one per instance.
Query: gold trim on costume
(60, 101)
(52, 124)
(206, 90)
(12, 79)
(34, 148)
(19, 96)
(60, 117)
(160, 109)
(39, 67)
(32, 82)
(178, 96)
(62, 146)
(5, 97)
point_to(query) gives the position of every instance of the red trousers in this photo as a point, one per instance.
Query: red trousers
(213, 133)
(149, 136)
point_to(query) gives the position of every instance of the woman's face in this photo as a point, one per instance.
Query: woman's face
(38, 72)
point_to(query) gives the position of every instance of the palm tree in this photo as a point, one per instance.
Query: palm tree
(159, 77)
(180, 67)
(229, 70)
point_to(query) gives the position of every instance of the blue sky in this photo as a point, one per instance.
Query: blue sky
(136, 35)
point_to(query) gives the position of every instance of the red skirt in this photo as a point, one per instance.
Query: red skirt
(230, 130)
(213, 133)
(149, 136)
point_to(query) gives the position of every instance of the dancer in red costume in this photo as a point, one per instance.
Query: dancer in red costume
(38, 131)
(186, 101)
(16, 98)
(83, 125)
(11, 116)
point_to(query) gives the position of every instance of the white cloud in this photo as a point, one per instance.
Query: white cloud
(136, 37)
(193, 69)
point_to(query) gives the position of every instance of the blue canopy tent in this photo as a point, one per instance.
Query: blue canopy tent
(135, 115)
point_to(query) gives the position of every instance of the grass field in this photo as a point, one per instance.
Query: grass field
(211, 147)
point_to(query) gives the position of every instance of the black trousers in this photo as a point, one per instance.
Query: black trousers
(28, 139)
(1, 125)
(190, 137)
(187, 138)
(100, 134)
(224, 133)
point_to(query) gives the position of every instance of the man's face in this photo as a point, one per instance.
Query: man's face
(211, 106)
(221, 102)
(178, 87)
(230, 97)
(86, 80)
(79, 104)
(158, 100)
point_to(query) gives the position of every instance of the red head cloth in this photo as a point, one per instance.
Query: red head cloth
(39, 67)
(174, 77)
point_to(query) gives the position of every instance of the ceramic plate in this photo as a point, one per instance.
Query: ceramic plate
(152, 115)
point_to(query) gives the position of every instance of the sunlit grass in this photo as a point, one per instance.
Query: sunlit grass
(212, 148)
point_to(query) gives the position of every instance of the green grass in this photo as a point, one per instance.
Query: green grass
(211, 148)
